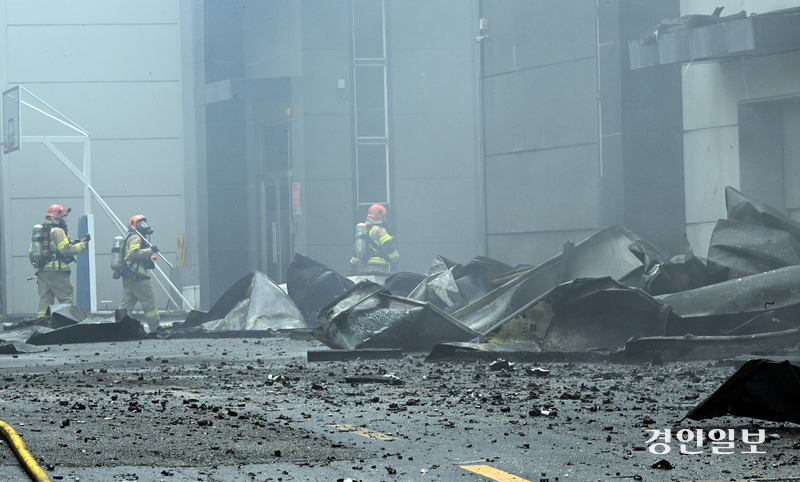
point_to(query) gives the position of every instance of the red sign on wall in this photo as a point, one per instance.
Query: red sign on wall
(295, 198)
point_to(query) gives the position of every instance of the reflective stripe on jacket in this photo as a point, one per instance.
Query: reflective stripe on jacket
(59, 243)
(381, 250)
(137, 257)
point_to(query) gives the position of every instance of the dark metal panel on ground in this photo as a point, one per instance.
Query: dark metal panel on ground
(743, 249)
(748, 210)
(312, 285)
(384, 321)
(778, 339)
(710, 309)
(343, 355)
(603, 254)
(16, 348)
(252, 303)
(517, 352)
(600, 313)
(761, 389)
(125, 329)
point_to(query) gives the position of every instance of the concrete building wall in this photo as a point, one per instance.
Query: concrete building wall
(540, 83)
(434, 136)
(734, 116)
(114, 69)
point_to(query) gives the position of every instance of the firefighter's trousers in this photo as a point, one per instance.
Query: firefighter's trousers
(52, 285)
(141, 291)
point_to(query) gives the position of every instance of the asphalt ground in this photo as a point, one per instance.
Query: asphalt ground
(255, 410)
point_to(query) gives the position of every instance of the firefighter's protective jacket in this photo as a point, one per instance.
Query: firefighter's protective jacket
(381, 251)
(137, 257)
(61, 246)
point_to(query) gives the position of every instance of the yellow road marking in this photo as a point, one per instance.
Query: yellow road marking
(364, 432)
(493, 473)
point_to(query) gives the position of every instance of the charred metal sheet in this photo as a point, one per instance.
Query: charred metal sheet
(345, 355)
(439, 287)
(126, 329)
(384, 380)
(403, 283)
(358, 293)
(600, 313)
(70, 314)
(200, 332)
(474, 279)
(603, 254)
(785, 338)
(456, 351)
(16, 348)
(451, 286)
(742, 249)
(312, 285)
(385, 321)
(518, 352)
(658, 275)
(761, 389)
(748, 210)
(712, 310)
(254, 303)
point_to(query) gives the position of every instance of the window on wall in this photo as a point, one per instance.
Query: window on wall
(369, 86)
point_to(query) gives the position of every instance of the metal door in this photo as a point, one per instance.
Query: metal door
(275, 230)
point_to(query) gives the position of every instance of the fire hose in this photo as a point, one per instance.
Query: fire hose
(18, 446)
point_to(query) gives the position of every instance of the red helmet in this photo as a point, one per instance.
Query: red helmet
(57, 211)
(376, 211)
(135, 219)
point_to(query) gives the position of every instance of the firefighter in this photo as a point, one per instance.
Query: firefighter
(139, 256)
(375, 249)
(50, 253)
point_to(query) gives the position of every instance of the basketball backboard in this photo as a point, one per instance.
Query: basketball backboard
(10, 127)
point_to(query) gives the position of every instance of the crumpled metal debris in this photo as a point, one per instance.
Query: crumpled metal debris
(603, 254)
(254, 303)
(741, 249)
(312, 285)
(96, 330)
(450, 286)
(713, 309)
(375, 319)
(761, 389)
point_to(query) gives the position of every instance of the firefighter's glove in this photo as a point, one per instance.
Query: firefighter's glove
(87, 238)
(352, 269)
(154, 248)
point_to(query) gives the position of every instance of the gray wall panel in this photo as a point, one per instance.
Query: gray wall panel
(431, 211)
(441, 24)
(417, 258)
(612, 187)
(325, 25)
(791, 153)
(541, 108)
(47, 12)
(431, 80)
(434, 146)
(82, 53)
(115, 169)
(321, 71)
(328, 153)
(549, 190)
(761, 163)
(525, 34)
(611, 88)
(328, 213)
(532, 248)
(113, 110)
